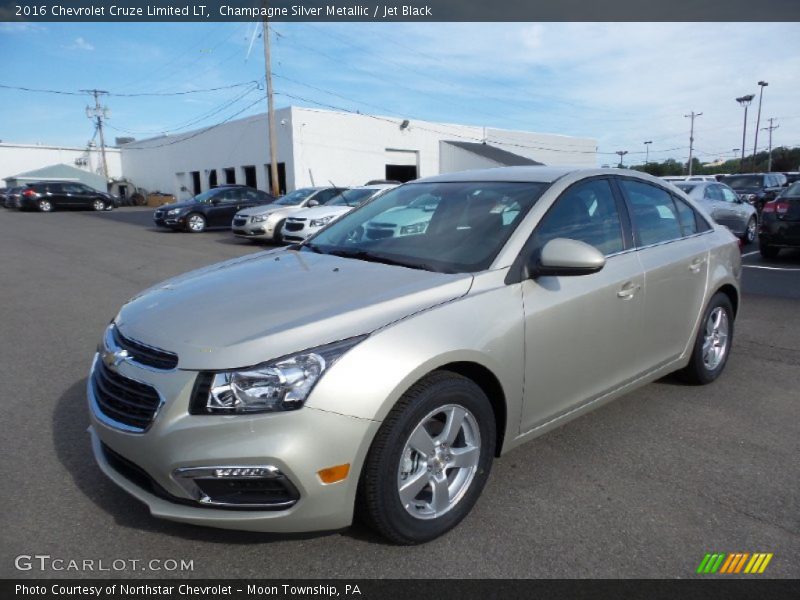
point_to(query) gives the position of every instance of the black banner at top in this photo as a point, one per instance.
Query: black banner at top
(400, 10)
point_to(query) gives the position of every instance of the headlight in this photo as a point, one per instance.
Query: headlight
(415, 228)
(174, 211)
(320, 222)
(258, 218)
(279, 385)
(751, 197)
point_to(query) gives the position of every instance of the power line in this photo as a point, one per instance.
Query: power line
(121, 95)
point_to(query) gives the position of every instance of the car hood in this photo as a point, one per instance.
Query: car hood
(263, 306)
(186, 204)
(322, 211)
(268, 209)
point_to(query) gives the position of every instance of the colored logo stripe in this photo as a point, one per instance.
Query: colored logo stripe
(734, 562)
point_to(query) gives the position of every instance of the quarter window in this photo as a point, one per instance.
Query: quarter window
(653, 213)
(586, 212)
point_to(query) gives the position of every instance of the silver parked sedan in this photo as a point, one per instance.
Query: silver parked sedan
(286, 390)
(724, 206)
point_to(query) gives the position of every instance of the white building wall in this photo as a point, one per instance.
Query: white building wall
(165, 163)
(20, 158)
(321, 146)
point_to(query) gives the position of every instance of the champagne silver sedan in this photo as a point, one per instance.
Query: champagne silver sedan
(288, 390)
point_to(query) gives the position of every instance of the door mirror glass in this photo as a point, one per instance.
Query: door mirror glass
(566, 257)
(313, 202)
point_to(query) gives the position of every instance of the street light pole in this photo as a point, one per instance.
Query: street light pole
(762, 85)
(647, 152)
(744, 101)
(691, 137)
(621, 154)
(273, 141)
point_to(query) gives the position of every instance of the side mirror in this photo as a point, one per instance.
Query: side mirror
(313, 202)
(566, 257)
(215, 201)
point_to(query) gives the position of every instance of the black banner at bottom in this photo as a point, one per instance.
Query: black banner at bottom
(407, 589)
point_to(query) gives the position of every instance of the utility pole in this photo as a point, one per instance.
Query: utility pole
(273, 141)
(621, 154)
(745, 102)
(771, 128)
(692, 115)
(98, 113)
(762, 85)
(647, 152)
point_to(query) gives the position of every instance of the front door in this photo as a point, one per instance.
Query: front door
(221, 214)
(582, 334)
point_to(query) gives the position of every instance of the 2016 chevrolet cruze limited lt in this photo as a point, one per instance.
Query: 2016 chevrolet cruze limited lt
(289, 390)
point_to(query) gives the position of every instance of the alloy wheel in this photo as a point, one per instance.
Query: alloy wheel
(439, 462)
(45, 206)
(98, 205)
(751, 230)
(715, 340)
(196, 223)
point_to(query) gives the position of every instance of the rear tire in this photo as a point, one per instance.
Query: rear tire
(45, 206)
(768, 251)
(195, 223)
(713, 343)
(429, 461)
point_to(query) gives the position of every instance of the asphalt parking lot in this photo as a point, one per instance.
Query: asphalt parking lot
(643, 487)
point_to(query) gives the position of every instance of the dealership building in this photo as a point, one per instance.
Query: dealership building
(321, 147)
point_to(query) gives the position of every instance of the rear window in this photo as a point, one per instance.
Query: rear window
(685, 187)
(744, 181)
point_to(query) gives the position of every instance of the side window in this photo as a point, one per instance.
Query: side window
(230, 195)
(653, 213)
(55, 188)
(325, 195)
(71, 188)
(586, 212)
(713, 193)
(728, 194)
(687, 217)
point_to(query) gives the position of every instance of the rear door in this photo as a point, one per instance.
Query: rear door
(724, 211)
(70, 195)
(674, 257)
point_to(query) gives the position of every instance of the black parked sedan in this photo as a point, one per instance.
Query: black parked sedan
(213, 208)
(46, 196)
(11, 197)
(780, 222)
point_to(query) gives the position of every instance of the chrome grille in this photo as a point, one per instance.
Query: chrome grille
(294, 225)
(144, 354)
(239, 221)
(124, 400)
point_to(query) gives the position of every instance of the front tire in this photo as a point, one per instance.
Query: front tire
(277, 237)
(195, 223)
(713, 343)
(98, 205)
(429, 461)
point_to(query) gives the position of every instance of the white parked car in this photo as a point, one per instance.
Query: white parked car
(265, 222)
(303, 224)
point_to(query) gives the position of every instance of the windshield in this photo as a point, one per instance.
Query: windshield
(685, 187)
(444, 227)
(296, 197)
(206, 196)
(352, 197)
(743, 181)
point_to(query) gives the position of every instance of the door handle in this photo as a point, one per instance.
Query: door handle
(628, 290)
(696, 264)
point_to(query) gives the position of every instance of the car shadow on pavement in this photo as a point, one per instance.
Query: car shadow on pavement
(138, 216)
(73, 449)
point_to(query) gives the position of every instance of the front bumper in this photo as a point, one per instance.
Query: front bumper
(264, 230)
(298, 444)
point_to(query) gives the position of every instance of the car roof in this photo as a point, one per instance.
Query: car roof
(526, 174)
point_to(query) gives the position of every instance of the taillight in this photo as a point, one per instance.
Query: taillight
(28, 193)
(781, 207)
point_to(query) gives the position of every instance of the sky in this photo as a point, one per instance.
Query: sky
(619, 83)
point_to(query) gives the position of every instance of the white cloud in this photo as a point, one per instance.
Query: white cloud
(21, 27)
(81, 44)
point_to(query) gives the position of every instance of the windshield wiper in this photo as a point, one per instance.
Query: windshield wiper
(379, 258)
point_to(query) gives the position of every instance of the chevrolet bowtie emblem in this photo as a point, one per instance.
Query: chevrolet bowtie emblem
(113, 358)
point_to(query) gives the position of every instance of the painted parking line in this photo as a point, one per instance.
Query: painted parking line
(771, 268)
(750, 253)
